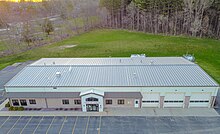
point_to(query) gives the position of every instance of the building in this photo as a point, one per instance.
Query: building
(95, 84)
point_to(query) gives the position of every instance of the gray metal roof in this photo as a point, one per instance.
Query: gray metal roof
(93, 75)
(9, 72)
(42, 95)
(123, 95)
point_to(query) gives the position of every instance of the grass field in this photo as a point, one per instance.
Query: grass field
(120, 43)
(2, 47)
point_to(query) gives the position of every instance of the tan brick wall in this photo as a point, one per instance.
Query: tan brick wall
(51, 103)
(128, 102)
(161, 101)
(186, 102)
(40, 102)
(213, 98)
(57, 103)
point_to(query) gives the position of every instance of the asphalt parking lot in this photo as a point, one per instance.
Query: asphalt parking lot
(109, 125)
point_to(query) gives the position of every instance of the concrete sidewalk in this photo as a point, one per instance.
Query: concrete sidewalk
(162, 112)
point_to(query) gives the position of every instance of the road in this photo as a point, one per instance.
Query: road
(19, 25)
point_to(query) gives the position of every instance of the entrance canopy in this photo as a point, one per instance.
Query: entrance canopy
(92, 91)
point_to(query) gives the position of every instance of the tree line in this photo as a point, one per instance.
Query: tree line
(198, 18)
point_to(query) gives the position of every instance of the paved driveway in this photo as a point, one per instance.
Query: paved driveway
(109, 125)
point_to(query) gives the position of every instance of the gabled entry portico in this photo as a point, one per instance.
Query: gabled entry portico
(92, 101)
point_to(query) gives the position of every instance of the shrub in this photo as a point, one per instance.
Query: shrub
(15, 108)
(20, 108)
(7, 104)
(11, 108)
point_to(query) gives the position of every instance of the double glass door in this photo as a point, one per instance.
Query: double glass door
(92, 107)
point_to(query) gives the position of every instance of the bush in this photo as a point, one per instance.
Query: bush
(7, 104)
(15, 109)
(20, 108)
(11, 108)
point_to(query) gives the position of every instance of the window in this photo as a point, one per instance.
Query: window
(108, 101)
(32, 101)
(121, 102)
(92, 99)
(199, 101)
(23, 102)
(65, 102)
(150, 101)
(15, 102)
(173, 101)
(77, 102)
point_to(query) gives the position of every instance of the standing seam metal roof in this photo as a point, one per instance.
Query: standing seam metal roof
(101, 75)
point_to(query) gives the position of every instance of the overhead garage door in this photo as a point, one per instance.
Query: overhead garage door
(150, 99)
(174, 99)
(200, 99)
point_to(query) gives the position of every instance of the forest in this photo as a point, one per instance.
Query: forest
(198, 18)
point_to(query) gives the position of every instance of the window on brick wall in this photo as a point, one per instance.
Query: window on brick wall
(32, 101)
(77, 102)
(15, 102)
(23, 102)
(65, 102)
(121, 102)
(108, 101)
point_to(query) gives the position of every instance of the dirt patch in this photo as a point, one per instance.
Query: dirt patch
(66, 46)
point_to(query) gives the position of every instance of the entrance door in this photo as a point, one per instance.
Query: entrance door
(136, 103)
(92, 107)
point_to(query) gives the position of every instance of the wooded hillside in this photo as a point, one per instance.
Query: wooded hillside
(199, 18)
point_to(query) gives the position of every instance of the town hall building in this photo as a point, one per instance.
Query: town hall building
(96, 84)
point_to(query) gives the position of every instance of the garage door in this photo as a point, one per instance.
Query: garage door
(150, 99)
(200, 100)
(174, 99)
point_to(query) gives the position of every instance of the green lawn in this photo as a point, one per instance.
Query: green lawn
(120, 43)
(2, 47)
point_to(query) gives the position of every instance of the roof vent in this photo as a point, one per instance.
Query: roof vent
(70, 69)
(138, 55)
(44, 64)
(143, 55)
(151, 62)
(54, 62)
(58, 74)
(189, 57)
(134, 75)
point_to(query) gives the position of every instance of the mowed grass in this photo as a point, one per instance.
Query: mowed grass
(2, 46)
(121, 43)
